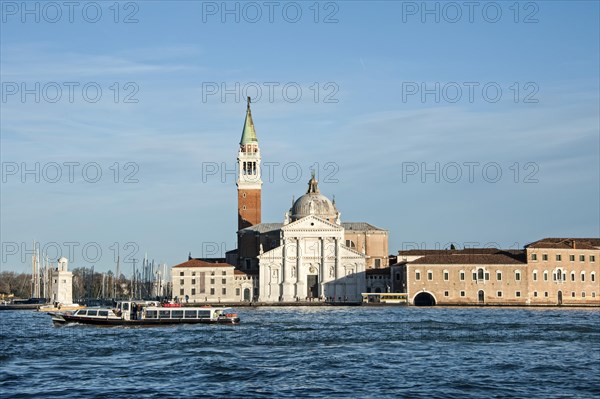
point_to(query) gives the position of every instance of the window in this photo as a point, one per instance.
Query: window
(558, 275)
(582, 258)
(499, 276)
(181, 282)
(474, 276)
(350, 244)
(499, 294)
(377, 263)
(593, 294)
(397, 276)
(193, 281)
(193, 291)
(480, 274)
(572, 258)
(518, 294)
(446, 293)
(535, 275)
(573, 294)
(592, 258)
(224, 273)
(544, 257)
(193, 273)
(533, 256)
(462, 276)
(518, 275)
(546, 294)
(223, 281)
(417, 275)
(593, 276)
(487, 276)
(535, 294)
(224, 291)
(572, 276)
(429, 275)
(237, 292)
(181, 273)
(462, 293)
(582, 276)
(558, 258)
(181, 292)
(244, 207)
(212, 280)
(212, 273)
(545, 275)
(212, 291)
(446, 276)
(583, 294)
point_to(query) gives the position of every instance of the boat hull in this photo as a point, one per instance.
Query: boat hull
(65, 319)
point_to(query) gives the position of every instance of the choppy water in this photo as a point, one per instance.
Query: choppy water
(311, 352)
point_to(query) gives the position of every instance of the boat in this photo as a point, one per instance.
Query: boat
(59, 307)
(147, 313)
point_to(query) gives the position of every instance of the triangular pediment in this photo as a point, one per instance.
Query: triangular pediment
(312, 223)
(276, 252)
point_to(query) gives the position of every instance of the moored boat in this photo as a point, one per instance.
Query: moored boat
(129, 313)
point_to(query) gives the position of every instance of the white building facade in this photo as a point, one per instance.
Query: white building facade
(312, 263)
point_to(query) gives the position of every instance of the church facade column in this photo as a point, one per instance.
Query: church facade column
(322, 269)
(288, 286)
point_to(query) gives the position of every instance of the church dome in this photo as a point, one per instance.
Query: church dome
(314, 203)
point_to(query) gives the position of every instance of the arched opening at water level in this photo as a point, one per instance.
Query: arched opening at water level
(424, 299)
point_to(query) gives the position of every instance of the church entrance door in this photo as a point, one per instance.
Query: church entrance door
(312, 285)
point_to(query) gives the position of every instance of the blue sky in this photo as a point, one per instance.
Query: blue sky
(367, 131)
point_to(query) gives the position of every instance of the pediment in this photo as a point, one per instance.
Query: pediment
(310, 223)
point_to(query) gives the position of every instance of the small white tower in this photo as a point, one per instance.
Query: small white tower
(62, 282)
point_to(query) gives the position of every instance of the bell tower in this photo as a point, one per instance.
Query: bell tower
(248, 182)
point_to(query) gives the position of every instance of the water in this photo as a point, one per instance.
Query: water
(311, 352)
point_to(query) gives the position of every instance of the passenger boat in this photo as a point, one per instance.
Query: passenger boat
(129, 313)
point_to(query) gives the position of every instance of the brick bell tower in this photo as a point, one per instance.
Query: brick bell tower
(248, 181)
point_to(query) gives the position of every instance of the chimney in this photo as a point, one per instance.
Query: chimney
(574, 244)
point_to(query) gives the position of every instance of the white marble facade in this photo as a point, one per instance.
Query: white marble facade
(312, 262)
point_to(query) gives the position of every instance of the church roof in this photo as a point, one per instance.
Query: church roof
(313, 203)
(263, 228)
(248, 134)
(360, 226)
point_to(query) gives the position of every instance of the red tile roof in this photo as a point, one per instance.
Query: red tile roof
(504, 258)
(202, 263)
(566, 243)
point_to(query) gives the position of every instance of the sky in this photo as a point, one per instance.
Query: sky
(442, 122)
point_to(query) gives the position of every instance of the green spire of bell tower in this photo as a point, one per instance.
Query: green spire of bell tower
(248, 134)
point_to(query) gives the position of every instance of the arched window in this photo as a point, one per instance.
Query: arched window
(593, 276)
(535, 275)
(572, 276)
(480, 274)
(545, 275)
(582, 276)
(558, 275)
